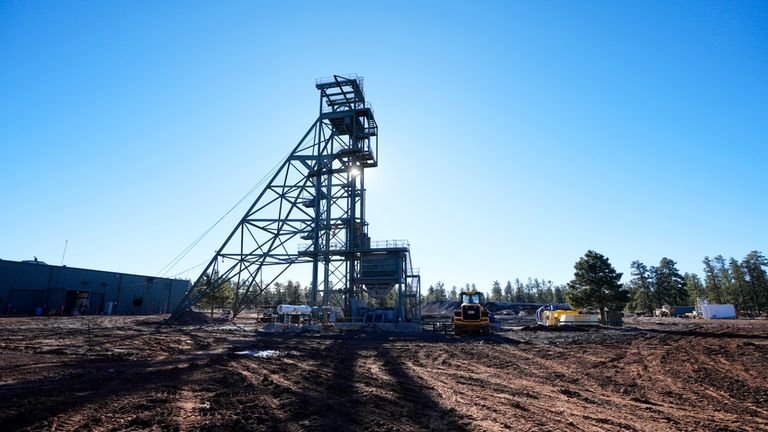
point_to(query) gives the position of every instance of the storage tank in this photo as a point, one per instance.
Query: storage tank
(285, 309)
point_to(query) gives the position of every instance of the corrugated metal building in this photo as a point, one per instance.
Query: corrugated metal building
(36, 288)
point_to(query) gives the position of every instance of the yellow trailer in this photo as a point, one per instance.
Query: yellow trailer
(557, 315)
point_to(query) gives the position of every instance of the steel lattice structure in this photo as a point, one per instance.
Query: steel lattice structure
(313, 211)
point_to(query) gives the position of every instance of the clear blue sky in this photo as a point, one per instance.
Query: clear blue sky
(514, 136)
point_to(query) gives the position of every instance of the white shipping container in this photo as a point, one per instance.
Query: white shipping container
(718, 311)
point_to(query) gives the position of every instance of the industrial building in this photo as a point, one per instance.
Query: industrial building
(36, 288)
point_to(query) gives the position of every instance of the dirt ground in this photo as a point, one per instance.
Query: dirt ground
(125, 373)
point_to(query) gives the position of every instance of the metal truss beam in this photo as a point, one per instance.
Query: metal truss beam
(311, 211)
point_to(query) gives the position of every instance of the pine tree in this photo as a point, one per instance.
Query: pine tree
(758, 279)
(533, 291)
(279, 293)
(560, 294)
(430, 293)
(596, 283)
(508, 291)
(694, 287)
(266, 297)
(739, 290)
(306, 295)
(519, 291)
(670, 284)
(548, 294)
(221, 296)
(496, 291)
(454, 294)
(440, 292)
(712, 282)
(642, 299)
(292, 293)
(726, 278)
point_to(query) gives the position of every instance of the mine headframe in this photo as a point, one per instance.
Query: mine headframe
(312, 211)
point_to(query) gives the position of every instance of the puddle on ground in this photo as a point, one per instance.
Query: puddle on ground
(259, 353)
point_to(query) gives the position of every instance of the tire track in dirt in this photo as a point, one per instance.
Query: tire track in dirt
(657, 377)
(486, 394)
(716, 387)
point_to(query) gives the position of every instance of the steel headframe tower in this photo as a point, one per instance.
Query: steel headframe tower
(313, 211)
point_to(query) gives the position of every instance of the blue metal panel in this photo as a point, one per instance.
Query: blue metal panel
(58, 286)
(24, 301)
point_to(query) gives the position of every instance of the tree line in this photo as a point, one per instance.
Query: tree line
(278, 293)
(532, 291)
(596, 283)
(742, 283)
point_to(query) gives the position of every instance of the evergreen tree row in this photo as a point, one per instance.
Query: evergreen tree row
(533, 291)
(743, 283)
(596, 283)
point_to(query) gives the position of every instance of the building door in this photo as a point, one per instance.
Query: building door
(57, 298)
(77, 303)
(24, 302)
(96, 304)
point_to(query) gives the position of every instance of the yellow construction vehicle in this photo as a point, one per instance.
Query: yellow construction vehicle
(562, 314)
(471, 316)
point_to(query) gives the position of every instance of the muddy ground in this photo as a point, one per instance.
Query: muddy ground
(124, 373)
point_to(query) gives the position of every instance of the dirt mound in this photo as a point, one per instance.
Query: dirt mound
(510, 308)
(436, 308)
(190, 317)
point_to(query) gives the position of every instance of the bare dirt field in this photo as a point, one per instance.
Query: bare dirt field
(124, 373)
